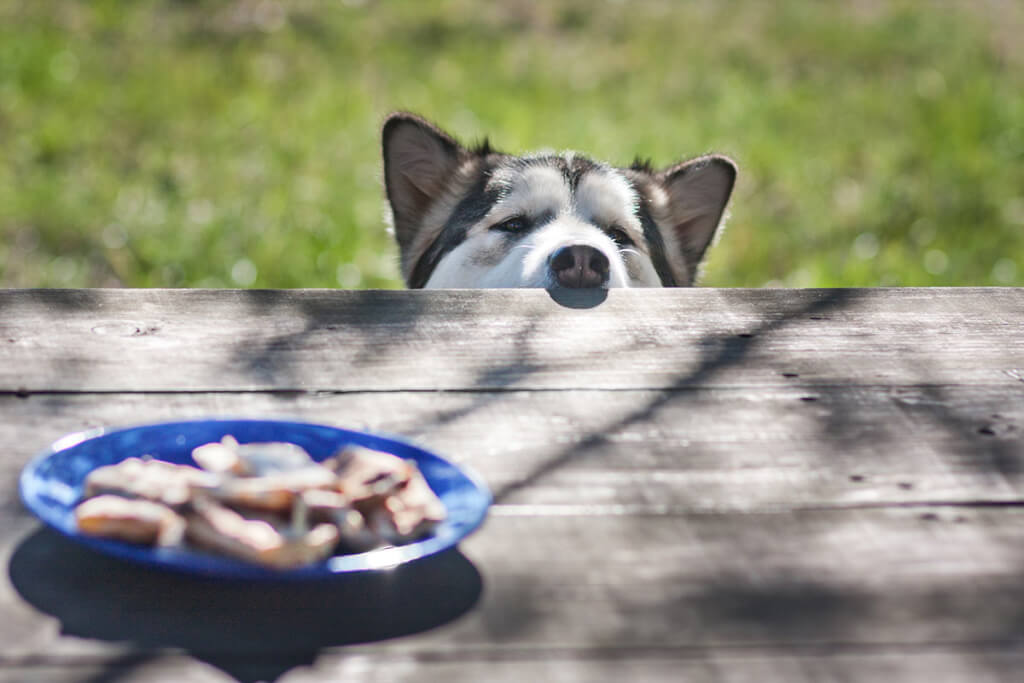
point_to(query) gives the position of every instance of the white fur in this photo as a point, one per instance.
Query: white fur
(605, 198)
(661, 212)
(533, 191)
(602, 198)
(434, 219)
(433, 183)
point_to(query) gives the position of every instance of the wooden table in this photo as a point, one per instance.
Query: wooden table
(769, 485)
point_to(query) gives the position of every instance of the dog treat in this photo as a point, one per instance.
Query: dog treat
(335, 507)
(221, 457)
(412, 511)
(266, 503)
(274, 456)
(276, 491)
(251, 459)
(391, 493)
(223, 530)
(368, 475)
(154, 480)
(132, 520)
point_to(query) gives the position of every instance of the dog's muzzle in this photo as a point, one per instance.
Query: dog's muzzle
(579, 266)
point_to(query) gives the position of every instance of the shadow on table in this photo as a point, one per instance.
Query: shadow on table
(578, 298)
(253, 630)
(718, 352)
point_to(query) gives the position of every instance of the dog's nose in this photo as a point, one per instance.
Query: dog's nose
(580, 266)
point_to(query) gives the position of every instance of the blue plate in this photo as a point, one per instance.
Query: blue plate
(51, 486)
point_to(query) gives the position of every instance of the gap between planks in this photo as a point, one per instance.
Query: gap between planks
(809, 387)
(468, 652)
(634, 510)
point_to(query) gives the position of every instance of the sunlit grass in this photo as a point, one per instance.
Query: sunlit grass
(236, 143)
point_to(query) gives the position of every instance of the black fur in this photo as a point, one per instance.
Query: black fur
(655, 242)
(473, 207)
(698, 191)
(642, 166)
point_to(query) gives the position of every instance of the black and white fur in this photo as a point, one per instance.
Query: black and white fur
(473, 217)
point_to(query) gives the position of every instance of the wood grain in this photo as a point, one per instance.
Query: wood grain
(796, 485)
(700, 666)
(976, 665)
(878, 580)
(646, 452)
(195, 340)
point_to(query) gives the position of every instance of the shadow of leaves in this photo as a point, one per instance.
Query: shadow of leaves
(718, 352)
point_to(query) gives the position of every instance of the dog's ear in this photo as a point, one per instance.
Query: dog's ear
(419, 158)
(698, 192)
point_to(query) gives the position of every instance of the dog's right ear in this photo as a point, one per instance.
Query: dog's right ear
(419, 158)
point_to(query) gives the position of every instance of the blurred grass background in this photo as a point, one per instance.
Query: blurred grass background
(235, 143)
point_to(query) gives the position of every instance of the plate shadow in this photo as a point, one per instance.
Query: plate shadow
(253, 630)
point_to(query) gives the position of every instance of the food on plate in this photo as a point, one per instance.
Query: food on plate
(266, 503)
(390, 492)
(223, 530)
(251, 459)
(278, 491)
(132, 520)
(410, 513)
(335, 507)
(220, 456)
(150, 479)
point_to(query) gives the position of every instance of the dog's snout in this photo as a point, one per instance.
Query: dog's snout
(580, 266)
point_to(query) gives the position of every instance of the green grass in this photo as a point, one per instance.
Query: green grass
(236, 143)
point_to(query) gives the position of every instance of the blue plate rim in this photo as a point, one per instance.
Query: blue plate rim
(213, 566)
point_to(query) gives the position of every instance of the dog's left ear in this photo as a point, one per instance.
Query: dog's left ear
(698, 192)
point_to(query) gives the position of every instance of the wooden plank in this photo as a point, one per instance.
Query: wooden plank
(529, 587)
(180, 669)
(692, 667)
(715, 666)
(603, 666)
(872, 578)
(636, 451)
(725, 484)
(196, 340)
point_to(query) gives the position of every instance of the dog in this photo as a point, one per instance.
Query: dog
(473, 217)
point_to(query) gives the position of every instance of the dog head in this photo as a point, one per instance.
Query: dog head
(473, 217)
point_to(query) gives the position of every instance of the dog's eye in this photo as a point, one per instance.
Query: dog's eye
(514, 224)
(619, 236)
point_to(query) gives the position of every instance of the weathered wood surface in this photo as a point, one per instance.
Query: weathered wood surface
(544, 590)
(176, 340)
(699, 450)
(690, 485)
